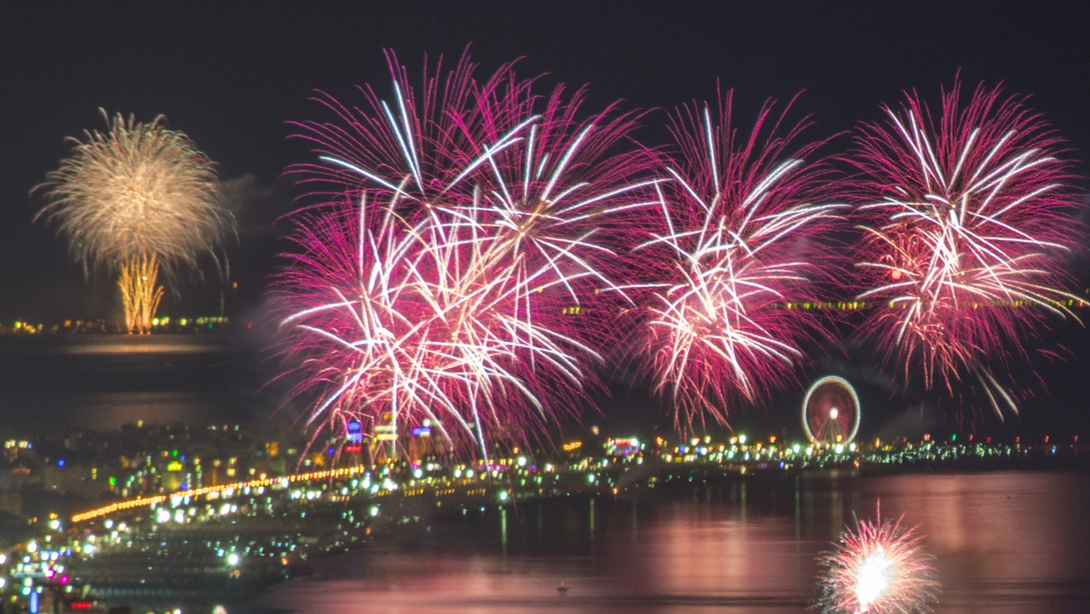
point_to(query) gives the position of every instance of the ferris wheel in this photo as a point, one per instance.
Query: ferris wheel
(830, 411)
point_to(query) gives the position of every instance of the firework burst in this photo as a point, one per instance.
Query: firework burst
(878, 568)
(420, 145)
(733, 244)
(136, 198)
(442, 293)
(966, 235)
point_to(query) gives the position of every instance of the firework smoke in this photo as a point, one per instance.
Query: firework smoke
(134, 199)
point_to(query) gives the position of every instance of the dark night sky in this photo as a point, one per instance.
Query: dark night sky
(231, 76)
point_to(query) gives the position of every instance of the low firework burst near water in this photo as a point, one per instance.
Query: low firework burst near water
(733, 243)
(877, 568)
(966, 235)
(440, 294)
(136, 199)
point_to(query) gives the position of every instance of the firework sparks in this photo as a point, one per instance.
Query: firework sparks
(440, 295)
(134, 199)
(420, 146)
(964, 222)
(731, 247)
(140, 293)
(879, 568)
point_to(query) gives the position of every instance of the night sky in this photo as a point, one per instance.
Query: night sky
(231, 77)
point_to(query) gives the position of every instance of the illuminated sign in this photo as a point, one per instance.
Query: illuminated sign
(80, 605)
(354, 435)
(623, 447)
(422, 431)
(174, 466)
(575, 445)
(352, 448)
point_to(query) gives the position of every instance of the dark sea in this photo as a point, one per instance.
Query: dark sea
(100, 382)
(1003, 542)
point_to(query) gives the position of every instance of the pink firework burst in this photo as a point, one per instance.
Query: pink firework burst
(733, 245)
(445, 291)
(966, 235)
(419, 144)
(877, 568)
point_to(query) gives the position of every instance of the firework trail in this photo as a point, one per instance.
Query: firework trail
(136, 199)
(441, 294)
(879, 568)
(420, 146)
(965, 222)
(735, 239)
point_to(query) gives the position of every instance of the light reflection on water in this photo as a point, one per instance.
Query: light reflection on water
(112, 344)
(138, 345)
(1003, 542)
(101, 382)
(111, 410)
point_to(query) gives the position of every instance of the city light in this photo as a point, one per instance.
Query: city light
(148, 521)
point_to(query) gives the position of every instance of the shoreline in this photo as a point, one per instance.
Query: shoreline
(407, 522)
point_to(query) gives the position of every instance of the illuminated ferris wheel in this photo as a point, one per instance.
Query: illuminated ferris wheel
(830, 411)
